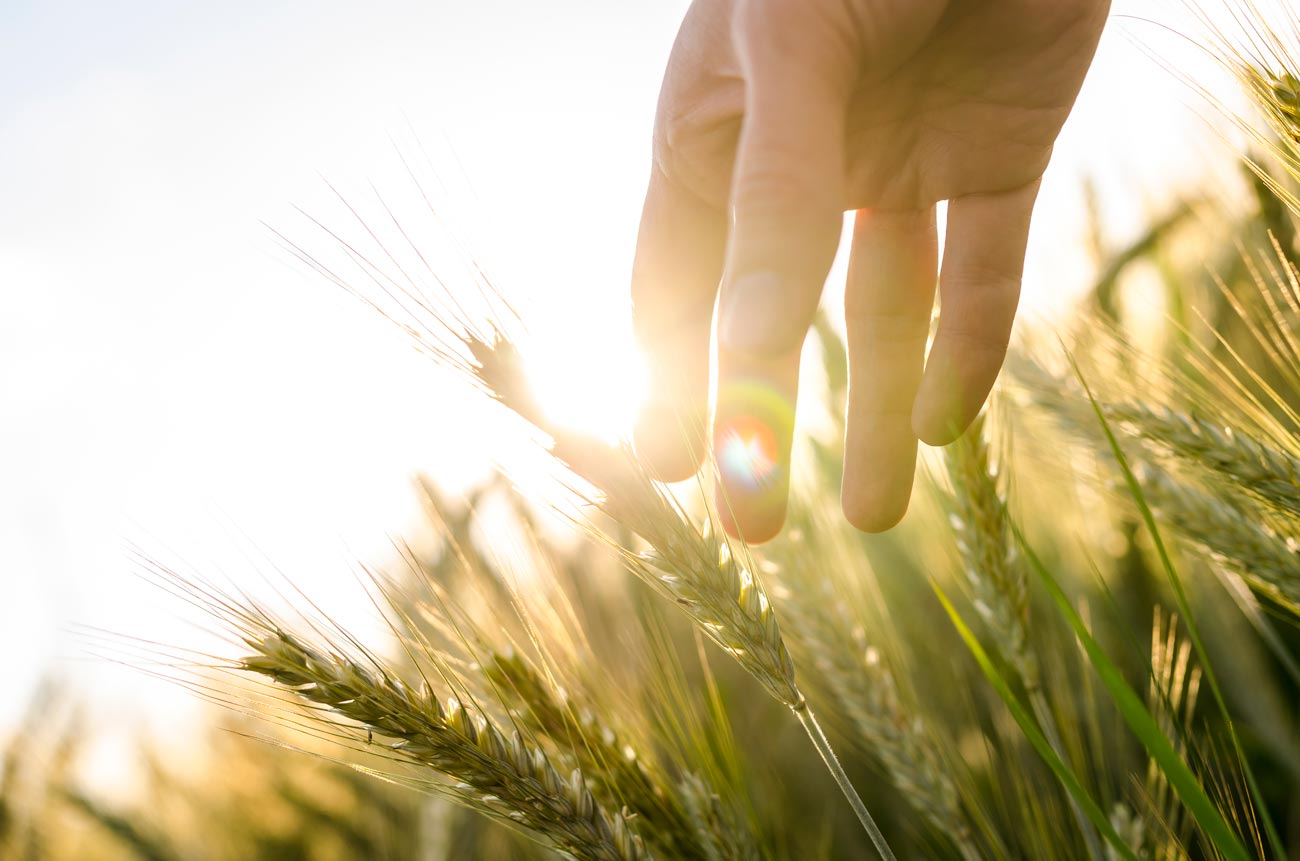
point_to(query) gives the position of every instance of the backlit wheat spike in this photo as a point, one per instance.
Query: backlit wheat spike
(504, 776)
(695, 570)
(1233, 536)
(1259, 468)
(611, 765)
(998, 580)
(1256, 467)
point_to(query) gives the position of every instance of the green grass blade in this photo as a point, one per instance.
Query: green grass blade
(1035, 735)
(1189, 619)
(1139, 719)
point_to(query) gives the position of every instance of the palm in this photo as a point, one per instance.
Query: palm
(970, 105)
(962, 117)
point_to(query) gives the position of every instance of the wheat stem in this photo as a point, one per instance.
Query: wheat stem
(827, 754)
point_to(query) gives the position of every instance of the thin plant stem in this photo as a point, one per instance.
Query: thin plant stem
(823, 746)
(1043, 712)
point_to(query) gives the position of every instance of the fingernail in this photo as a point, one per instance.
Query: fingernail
(755, 318)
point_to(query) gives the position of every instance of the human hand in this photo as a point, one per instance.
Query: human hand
(775, 118)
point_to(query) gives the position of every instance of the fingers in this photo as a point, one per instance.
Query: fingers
(675, 278)
(787, 210)
(979, 288)
(887, 304)
(788, 184)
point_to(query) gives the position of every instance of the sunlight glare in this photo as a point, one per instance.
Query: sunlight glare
(748, 454)
(593, 383)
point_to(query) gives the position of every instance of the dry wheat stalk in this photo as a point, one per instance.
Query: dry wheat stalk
(507, 778)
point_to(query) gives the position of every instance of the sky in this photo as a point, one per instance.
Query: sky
(171, 378)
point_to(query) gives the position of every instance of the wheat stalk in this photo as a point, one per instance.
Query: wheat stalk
(696, 570)
(1230, 533)
(1173, 690)
(856, 676)
(712, 822)
(506, 777)
(1000, 583)
(902, 742)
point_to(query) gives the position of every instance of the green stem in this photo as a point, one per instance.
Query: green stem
(1041, 710)
(823, 746)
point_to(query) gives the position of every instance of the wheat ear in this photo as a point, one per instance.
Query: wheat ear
(863, 686)
(1267, 472)
(505, 777)
(1229, 533)
(1000, 583)
(1255, 466)
(697, 571)
(904, 746)
(613, 767)
(997, 579)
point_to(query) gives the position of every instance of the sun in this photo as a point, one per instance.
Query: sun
(595, 382)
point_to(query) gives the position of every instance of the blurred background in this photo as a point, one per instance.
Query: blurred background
(171, 377)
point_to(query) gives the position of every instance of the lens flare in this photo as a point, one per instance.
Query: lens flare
(747, 453)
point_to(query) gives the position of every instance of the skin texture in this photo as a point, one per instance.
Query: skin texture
(775, 118)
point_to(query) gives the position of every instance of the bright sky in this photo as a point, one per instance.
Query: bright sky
(169, 376)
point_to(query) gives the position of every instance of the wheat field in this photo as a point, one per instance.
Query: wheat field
(1081, 644)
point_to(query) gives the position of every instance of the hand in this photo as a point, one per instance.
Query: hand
(775, 118)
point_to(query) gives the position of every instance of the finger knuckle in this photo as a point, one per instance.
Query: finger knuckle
(978, 342)
(694, 146)
(772, 190)
(994, 290)
(885, 327)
